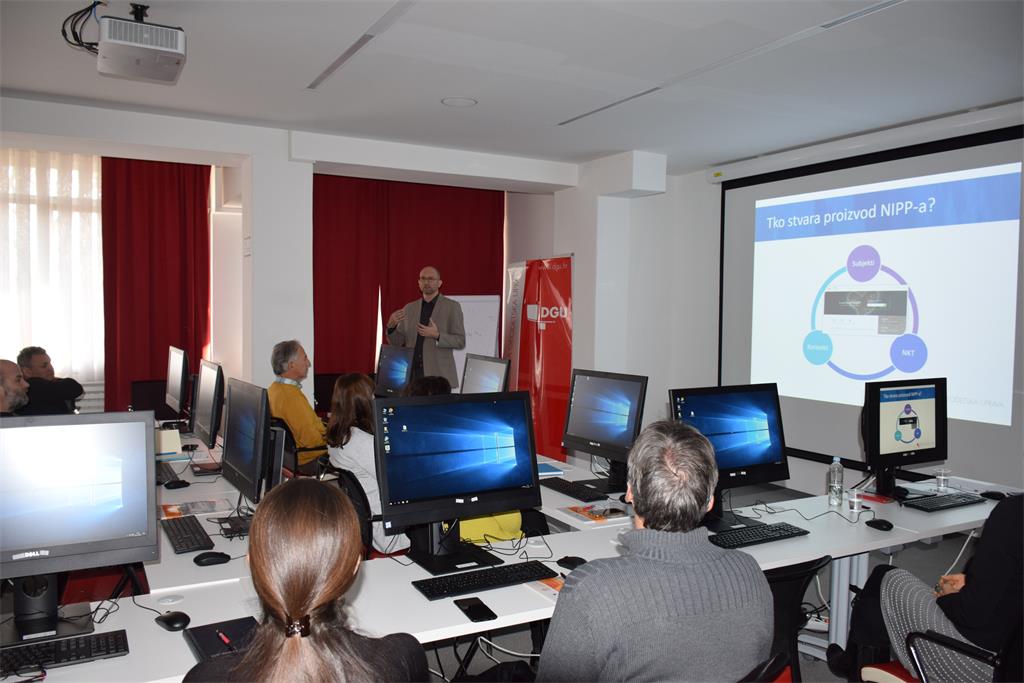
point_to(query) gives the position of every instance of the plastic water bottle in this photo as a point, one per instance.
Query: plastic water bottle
(835, 483)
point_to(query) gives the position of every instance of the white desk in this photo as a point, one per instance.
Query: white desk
(382, 600)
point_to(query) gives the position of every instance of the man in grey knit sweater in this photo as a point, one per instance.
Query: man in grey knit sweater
(673, 607)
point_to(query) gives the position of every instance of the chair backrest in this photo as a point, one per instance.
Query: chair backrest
(351, 487)
(291, 454)
(788, 586)
(768, 671)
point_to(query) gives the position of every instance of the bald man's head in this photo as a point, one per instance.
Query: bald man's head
(13, 387)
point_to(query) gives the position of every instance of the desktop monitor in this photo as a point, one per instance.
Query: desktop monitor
(77, 492)
(605, 414)
(209, 401)
(177, 378)
(394, 370)
(246, 438)
(902, 423)
(744, 425)
(484, 375)
(440, 458)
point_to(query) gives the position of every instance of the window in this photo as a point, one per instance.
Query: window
(51, 261)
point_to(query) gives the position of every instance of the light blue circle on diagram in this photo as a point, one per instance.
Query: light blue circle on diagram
(817, 347)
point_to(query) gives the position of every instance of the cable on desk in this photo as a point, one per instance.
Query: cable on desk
(769, 510)
(158, 613)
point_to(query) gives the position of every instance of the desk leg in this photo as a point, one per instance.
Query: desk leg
(845, 571)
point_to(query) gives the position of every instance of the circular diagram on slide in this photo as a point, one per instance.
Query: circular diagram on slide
(907, 425)
(861, 311)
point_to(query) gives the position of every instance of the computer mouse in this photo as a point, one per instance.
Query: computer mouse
(173, 621)
(176, 484)
(208, 558)
(570, 562)
(993, 495)
(880, 524)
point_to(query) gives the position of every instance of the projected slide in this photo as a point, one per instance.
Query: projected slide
(893, 279)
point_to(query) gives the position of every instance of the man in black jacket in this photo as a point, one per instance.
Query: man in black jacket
(47, 395)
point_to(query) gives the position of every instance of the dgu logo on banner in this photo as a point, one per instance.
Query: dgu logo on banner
(542, 315)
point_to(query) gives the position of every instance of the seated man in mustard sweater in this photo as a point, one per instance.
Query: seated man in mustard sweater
(288, 403)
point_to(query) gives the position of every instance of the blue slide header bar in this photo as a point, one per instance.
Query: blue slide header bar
(974, 200)
(891, 395)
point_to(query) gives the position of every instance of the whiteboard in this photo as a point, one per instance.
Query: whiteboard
(481, 314)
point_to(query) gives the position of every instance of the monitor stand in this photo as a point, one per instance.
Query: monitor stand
(885, 481)
(31, 613)
(615, 482)
(717, 519)
(442, 551)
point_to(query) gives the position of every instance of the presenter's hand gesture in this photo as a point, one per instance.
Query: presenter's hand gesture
(430, 331)
(396, 317)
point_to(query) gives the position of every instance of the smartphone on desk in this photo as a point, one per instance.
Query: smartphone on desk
(475, 609)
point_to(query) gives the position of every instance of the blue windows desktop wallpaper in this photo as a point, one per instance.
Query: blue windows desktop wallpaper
(743, 427)
(457, 448)
(604, 410)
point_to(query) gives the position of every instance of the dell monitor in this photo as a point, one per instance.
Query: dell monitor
(443, 457)
(394, 370)
(744, 425)
(246, 438)
(177, 379)
(604, 418)
(206, 410)
(484, 375)
(902, 423)
(77, 492)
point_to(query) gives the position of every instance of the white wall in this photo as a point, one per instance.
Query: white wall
(530, 226)
(226, 291)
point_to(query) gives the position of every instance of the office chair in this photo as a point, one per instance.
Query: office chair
(1006, 663)
(351, 487)
(789, 584)
(775, 669)
(290, 466)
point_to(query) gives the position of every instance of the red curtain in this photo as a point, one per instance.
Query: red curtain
(376, 233)
(458, 230)
(349, 223)
(156, 269)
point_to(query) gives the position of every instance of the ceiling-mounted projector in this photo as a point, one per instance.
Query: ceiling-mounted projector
(134, 49)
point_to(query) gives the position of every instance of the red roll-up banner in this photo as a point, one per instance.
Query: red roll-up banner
(545, 348)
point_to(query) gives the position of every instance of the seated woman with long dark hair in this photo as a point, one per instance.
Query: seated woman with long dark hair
(304, 552)
(350, 447)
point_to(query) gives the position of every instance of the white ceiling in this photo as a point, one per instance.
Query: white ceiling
(533, 64)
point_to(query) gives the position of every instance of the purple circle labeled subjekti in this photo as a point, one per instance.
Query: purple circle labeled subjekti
(908, 353)
(863, 263)
(907, 409)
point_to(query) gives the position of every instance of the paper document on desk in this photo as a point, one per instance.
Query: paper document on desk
(549, 588)
(168, 445)
(598, 513)
(197, 507)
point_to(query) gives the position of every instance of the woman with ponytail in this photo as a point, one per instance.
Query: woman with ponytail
(304, 552)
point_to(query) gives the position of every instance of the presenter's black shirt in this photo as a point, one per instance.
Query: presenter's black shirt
(426, 310)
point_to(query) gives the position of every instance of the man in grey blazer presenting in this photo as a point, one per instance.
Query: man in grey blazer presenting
(431, 326)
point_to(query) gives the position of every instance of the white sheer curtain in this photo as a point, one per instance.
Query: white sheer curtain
(51, 259)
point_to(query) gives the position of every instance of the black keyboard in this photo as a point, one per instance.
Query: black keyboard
(944, 502)
(753, 535)
(186, 534)
(165, 473)
(23, 660)
(573, 489)
(450, 585)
